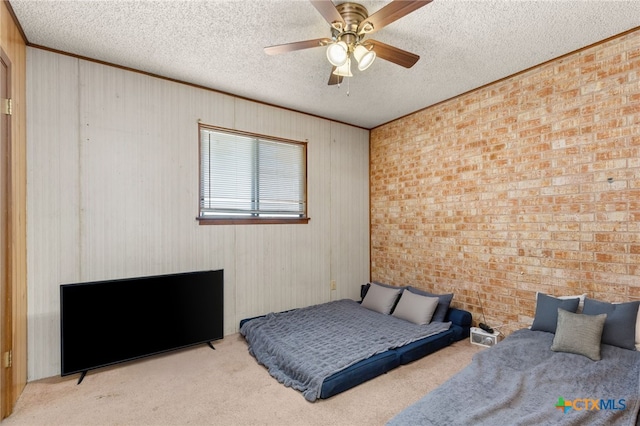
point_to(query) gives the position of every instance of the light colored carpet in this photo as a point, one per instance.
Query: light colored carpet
(200, 386)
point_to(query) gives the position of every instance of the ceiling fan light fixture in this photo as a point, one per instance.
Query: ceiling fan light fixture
(364, 56)
(338, 53)
(344, 70)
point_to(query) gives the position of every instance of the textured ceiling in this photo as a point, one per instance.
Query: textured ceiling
(219, 45)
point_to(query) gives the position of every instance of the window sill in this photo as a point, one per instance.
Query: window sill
(252, 221)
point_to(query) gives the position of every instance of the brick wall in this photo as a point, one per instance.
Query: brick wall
(529, 184)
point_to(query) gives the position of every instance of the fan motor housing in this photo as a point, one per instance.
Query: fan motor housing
(352, 12)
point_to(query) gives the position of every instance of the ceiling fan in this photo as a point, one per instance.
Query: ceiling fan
(350, 25)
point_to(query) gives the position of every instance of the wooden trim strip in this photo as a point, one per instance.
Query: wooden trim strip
(209, 221)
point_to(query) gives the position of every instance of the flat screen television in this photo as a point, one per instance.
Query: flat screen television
(108, 322)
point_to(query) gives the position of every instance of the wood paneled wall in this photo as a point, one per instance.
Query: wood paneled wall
(13, 45)
(113, 193)
(528, 184)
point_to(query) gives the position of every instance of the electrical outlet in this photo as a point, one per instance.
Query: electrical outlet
(333, 285)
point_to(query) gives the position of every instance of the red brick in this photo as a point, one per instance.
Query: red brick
(504, 190)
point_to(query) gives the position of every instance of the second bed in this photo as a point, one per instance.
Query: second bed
(325, 349)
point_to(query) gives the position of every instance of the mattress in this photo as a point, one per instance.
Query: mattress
(383, 362)
(522, 381)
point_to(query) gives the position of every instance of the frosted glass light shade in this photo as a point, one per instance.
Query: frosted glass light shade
(364, 56)
(338, 53)
(344, 70)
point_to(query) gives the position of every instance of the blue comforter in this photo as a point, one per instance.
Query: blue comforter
(302, 347)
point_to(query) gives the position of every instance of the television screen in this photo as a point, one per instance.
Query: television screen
(108, 322)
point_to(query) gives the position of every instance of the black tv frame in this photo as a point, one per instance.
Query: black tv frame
(103, 323)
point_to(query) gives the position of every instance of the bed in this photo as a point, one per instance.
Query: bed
(571, 369)
(325, 349)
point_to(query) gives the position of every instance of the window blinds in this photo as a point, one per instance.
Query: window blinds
(247, 176)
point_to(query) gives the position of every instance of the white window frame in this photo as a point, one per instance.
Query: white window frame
(251, 191)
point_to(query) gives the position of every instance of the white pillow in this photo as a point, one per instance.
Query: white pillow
(380, 299)
(580, 304)
(416, 308)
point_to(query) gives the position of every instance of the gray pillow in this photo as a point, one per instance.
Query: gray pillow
(546, 317)
(365, 287)
(380, 299)
(415, 308)
(444, 301)
(620, 327)
(579, 334)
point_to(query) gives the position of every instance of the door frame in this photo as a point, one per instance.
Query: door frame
(6, 280)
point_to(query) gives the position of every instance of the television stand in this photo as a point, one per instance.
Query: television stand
(211, 346)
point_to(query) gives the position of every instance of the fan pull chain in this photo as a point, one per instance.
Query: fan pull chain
(348, 85)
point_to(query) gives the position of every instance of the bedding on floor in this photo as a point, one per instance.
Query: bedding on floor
(303, 347)
(522, 381)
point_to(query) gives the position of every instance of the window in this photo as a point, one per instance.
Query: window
(246, 178)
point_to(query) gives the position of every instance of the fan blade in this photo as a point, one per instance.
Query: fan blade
(334, 79)
(328, 11)
(392, 12)
(298, 45)
(393, 54)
